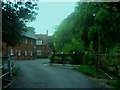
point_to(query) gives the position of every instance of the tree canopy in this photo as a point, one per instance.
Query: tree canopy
(88, 22)
(14, 19)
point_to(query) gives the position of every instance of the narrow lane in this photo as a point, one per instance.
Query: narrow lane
(37, 74)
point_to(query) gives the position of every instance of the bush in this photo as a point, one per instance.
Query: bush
(115, 83)
(57, 60)
(77, 58)
(68, 59)
(51, 59)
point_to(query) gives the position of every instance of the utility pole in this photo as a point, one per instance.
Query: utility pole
(98, 50)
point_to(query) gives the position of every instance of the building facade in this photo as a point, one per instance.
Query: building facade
(32, 46)
(26, 50)
(42, 45)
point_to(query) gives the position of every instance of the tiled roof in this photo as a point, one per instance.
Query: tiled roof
(42, 37)
(30, 34)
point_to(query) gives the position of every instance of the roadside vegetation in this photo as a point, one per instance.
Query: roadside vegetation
(91, 35)
(91, 71)
(114, 83)
(16, 16)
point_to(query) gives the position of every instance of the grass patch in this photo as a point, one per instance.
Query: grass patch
(112, 82)
(89, 70)
(115, 83)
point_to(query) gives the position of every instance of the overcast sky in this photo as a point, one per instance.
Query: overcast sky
(51, 14)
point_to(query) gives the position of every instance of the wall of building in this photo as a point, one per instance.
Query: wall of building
(41, 51)
(27, 45)
(44, 46)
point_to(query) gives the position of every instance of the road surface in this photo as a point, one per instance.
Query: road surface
(38, 74)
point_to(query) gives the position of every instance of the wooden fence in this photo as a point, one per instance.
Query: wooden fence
(110, 62)
(61, 56)
(73, 58)
(106, 61)
(6, 68)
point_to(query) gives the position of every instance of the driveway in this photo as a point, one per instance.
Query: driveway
(38, 74)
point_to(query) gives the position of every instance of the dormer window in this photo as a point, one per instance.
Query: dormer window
(39, 42)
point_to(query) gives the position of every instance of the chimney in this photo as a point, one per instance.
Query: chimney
(47, 32)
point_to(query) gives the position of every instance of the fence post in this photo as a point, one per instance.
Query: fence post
(52, 59)
(87, 59)
(9, 67)
(74, 57)
(62, 57)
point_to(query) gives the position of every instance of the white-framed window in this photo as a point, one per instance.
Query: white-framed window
(25, 52)
(11, 51)
(39, 52)
(39, 42)
(26, 40)
(31, 53)
(19, 52)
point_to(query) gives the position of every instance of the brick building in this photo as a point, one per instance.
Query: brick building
(42, 45)
(26, 50)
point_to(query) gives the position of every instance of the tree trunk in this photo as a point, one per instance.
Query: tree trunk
(96, 48)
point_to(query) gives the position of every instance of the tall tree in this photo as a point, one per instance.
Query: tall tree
(106, 25)
(14, 19)
(90, 22)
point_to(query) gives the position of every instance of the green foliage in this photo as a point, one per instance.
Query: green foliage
(90, 70)
(105, 26)
(79, 32)
(57, 60)
(51, 43)
(51, 58)
(74, 46)
(68, 59)
(14, 19)
(115, 83)
(91, 54)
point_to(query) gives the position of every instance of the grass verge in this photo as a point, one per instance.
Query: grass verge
(90, 70)
(115, 83)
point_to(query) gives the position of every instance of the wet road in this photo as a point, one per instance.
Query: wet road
(38, 74)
